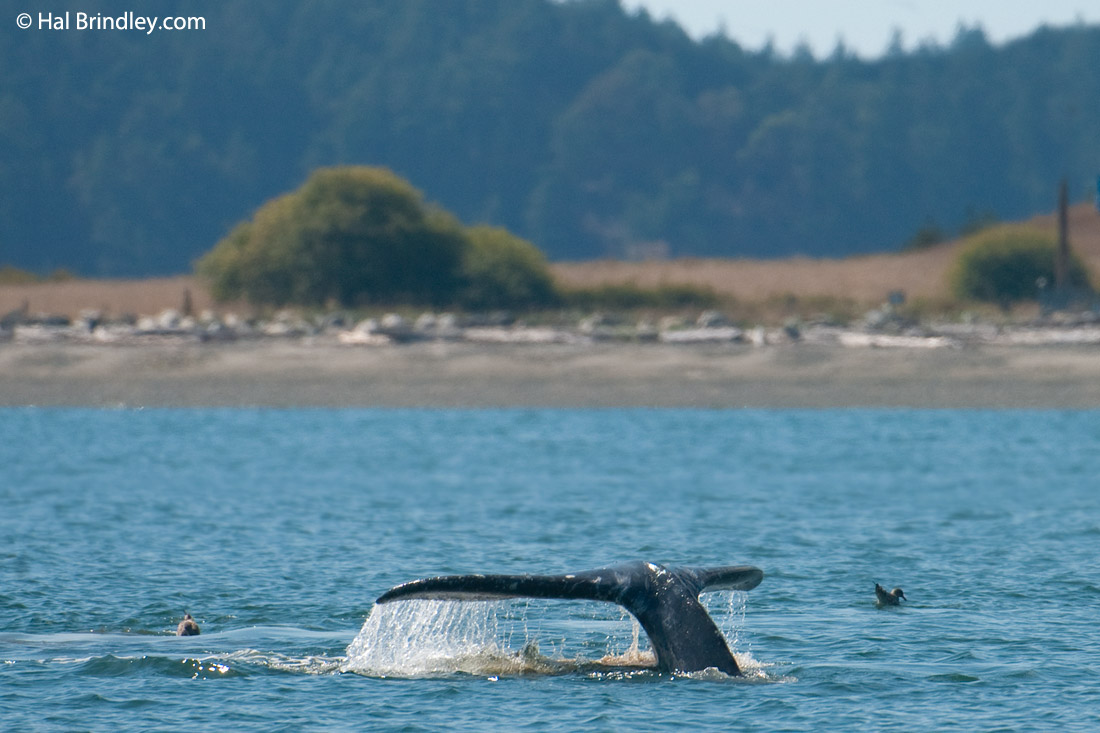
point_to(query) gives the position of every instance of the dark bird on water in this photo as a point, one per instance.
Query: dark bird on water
(187, 627)
(889, 597)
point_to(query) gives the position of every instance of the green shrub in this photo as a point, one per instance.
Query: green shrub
(353, 235)
(929, 235)
(1005, 265)
(503, 271)
(359, 236)
(61, 275)
(14, 276)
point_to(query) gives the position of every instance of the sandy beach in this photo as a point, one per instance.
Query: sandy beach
(442, 374)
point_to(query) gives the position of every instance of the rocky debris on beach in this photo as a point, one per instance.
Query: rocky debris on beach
(879, 328)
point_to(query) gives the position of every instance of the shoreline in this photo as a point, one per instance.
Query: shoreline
(306, 373)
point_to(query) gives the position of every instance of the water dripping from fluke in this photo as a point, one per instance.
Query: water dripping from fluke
(493, 639)
(418, 638)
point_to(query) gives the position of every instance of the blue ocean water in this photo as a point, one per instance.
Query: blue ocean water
(276, 529)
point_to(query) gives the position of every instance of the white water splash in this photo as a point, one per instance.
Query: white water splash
(727, 608)
(418, 638)
(309, 664)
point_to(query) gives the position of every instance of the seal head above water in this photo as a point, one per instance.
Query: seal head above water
(187, 627)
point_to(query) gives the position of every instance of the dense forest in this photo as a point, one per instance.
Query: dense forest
(588, 130)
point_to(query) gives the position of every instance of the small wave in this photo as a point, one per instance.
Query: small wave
(976, 514)
(954, 677)
(240, 663)
(109, 665)
(210, 656)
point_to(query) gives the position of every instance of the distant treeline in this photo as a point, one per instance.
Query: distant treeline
(585, 129)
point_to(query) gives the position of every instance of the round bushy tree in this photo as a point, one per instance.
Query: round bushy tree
(353, 235)
(1005, 265)
(503, 271)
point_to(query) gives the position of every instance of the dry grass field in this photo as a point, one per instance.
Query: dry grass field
(866, 280)
(863, 281)
(112, 297)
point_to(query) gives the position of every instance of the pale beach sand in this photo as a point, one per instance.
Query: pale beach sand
(443, 374)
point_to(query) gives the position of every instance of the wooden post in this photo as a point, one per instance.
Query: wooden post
(1061, 257)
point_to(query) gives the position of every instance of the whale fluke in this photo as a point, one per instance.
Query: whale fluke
(664, 600)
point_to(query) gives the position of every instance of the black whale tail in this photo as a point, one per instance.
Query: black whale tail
(664, 600)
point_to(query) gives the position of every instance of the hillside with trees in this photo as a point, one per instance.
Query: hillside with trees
(584, 129)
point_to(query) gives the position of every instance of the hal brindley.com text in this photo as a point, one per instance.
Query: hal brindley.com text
(128, 21)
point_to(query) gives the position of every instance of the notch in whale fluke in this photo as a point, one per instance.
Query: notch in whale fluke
(664, 600)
